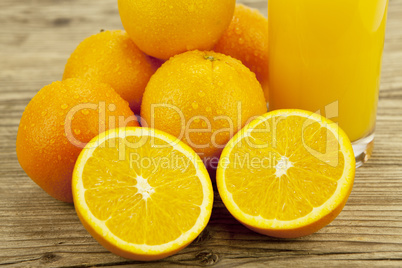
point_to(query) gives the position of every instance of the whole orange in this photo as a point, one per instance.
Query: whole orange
(57, 123)
(203, 98)
(111, 57)
(164, 28)
(246, 39)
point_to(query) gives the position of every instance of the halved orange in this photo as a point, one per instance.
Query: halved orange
(140, 192)
(287, 174)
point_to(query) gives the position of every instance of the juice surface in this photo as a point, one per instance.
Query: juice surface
(327, 53)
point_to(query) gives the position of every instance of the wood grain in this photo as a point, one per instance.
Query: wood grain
(36, 38)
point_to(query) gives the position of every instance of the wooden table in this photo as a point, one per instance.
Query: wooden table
(36, 38)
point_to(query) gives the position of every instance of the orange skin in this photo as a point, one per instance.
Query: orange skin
(246, 39)
(163, 28)
(206, 84)
(45, 150)
(111, 57)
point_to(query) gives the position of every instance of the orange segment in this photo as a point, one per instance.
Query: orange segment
(141, 193)
(287, 173)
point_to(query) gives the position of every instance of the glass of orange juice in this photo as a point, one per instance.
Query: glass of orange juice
(325, 55)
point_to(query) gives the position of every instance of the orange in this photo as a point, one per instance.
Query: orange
(56, 125)
(287, 174)
(203, 98)
(164, 28)
(246, 39)
(111, 57)
(158, 193)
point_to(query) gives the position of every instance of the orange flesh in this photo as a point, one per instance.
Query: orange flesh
(155, 201)
(284, 180)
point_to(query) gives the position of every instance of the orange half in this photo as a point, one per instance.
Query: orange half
(287, 174)
(143, 194)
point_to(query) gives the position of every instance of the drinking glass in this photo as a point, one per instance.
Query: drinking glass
(325, 55)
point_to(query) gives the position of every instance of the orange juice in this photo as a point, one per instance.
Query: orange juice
(326, 52)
